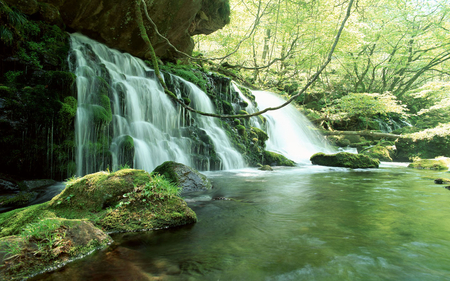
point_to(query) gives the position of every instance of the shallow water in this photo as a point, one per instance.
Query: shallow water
(301, 223)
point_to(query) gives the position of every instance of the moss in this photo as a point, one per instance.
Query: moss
(261, 135)
(13, 222)
(125, 200)
(227, 107)
(275, 159)
(17, 200)
(167, 169)
(190, 73)
(187, 101)
(431, 164)
(380, 152)
(344, 159)
(48, 243)
(241, 130)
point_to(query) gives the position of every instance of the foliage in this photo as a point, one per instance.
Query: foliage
(367, 105)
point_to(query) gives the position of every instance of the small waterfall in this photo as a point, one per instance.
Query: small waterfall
(290, 133)
(124, 116)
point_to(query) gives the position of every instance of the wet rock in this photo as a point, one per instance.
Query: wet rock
(8, 187)
(29, 253)
(33, 184)
(344, 159)
(265, 168)
(184, 176)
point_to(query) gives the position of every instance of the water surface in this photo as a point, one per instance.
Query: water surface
(301, 223)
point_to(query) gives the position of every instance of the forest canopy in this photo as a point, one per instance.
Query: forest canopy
(388, 47)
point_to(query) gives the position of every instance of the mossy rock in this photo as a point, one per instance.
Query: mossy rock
(275, 159)
(185, 177)
(261, 135)
(241, 130)
(126, 200)
(265, 168)
(17, 200)
(48, 243)
(431, 164)
(383, 153)
(344, 159)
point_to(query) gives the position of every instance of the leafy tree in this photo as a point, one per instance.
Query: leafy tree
(366, 105)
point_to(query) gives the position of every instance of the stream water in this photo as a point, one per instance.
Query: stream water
(300, 223)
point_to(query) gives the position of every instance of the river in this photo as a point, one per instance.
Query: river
(300, 223)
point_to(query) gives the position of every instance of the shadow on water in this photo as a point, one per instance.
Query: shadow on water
(302, 223)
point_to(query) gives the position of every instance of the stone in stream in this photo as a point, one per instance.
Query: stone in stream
(187, 178)
(441, 163)
(344, 159)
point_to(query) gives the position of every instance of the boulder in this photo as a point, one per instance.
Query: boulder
(344, 159)
(51, 241)
(187, 178)
(275, 159)
(8, 187)
(265, 168)
(33, 184)
(383, 153)
(442, 163)
(114, 22)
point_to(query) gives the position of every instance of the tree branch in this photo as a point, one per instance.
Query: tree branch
(152, 54)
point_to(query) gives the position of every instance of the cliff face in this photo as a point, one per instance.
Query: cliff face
(114, 22)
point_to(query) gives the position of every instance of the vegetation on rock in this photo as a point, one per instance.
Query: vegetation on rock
(431, 164)
(344, 159)
(126, 200)
(182, 176)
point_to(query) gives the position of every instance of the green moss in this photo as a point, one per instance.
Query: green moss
(227, 107)
(48, 243)
(241, 130)
(12, 223)
(344, 159)
(187, 101)
(167, 170)
(275, 159)
(17, 200)
(261, 135)
(190, 73)
(431, 164)
(380, 152)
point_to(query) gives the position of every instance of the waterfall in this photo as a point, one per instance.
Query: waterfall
(290, 133)
(124, 116)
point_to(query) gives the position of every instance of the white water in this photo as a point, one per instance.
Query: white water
(141, 110)
(290, 133)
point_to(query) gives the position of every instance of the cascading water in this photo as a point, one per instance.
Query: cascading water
(290, 133)
(124, 116)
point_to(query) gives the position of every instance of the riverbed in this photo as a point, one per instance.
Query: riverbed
(300, 223)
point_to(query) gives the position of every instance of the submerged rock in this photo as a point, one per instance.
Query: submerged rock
(187, 178)
(431, 164)
(344, 159)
